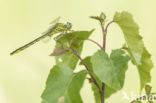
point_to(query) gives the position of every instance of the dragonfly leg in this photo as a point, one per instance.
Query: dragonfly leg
(56, 39)
(61, 35)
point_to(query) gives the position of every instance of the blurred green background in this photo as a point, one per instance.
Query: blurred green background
(23, 76)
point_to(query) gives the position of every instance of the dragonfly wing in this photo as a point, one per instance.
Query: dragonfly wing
(52, 25)
(46, 39)
(55, 21)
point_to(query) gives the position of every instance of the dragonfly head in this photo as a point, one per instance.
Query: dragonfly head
(68, 25)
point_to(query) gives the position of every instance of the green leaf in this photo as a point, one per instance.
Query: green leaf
(108, 91)
(63, 85)
(56, 83)
(140, 56)
(131, 34)
(73, 93)
(76, 40)
(76, 37)
(111, 70)
(145, 69)
(88, 62)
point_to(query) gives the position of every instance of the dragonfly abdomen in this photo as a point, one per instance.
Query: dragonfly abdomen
(57, 28)
(28, 45)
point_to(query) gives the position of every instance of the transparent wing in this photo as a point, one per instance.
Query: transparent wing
(52, 24)
(46, 39)
(55, 21)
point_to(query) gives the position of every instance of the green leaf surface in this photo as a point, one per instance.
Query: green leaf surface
(111, 70)
(131, 34)
(88, 62)
(76, 40)
(76, 37)
(73, 92)
(140, 56)
(108, 91)
(145, 69)
(63, 86)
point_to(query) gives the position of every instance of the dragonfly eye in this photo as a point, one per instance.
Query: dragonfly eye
(68, 24)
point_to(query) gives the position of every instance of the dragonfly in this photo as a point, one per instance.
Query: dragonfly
(54, 29)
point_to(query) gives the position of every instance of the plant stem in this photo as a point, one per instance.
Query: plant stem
(104, 31)
(89, 72)
(104, 36)
(101, 89)
(95, 43)
(108, 26)
(102, 93)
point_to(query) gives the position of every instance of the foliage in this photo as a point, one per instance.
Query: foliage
(63, 85)
(140, 56)
(76, 40)
(106, 72)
